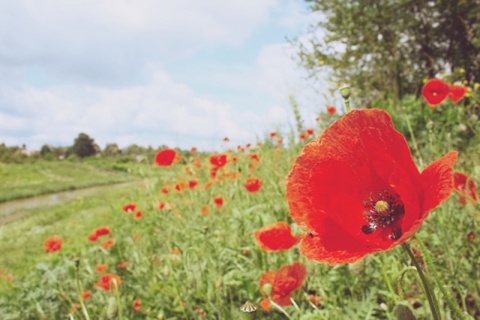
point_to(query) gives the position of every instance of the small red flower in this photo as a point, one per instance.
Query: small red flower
(435, 91)
(456, 93)
(254, 156)
(192, 184)
(205, 210)
(165, 157)
(52, 244)
(226, 139)
(137, 305)
(218, 201)
(218, 160)
(253, 184)
(309, 132)
(283, 282)
(356, 190)
(273, 134)
(102, 231)
(108, 282)
(331, 110)
(466, 186)
(92, 237)
(277, 237)
(86, 295)
(164, 190)
(108, 244)
(101, 268)
(128, 208)
(138, 215)
(302, 136)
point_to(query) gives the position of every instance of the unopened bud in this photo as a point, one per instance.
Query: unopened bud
(345, 91)
(267, 288)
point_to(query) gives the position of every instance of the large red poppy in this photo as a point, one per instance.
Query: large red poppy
(165, 157)
(356, 190)
(435, 91)
(253, 185)
(52, 244)
(466, 186)
(277, 237)
(218, 160)
(283, 282)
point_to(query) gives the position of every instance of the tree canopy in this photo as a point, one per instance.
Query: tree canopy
(389, 47)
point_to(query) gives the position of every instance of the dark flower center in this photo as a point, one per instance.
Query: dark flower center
(383, 211)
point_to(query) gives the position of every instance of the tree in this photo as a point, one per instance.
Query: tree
(84, 146)
(111, 149)
(388, 47)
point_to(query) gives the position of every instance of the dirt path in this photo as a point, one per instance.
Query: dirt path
(14, 210)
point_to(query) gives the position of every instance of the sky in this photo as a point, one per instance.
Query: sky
(178, 73)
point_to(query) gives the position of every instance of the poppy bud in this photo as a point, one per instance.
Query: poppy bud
(267, 288)
(345, 91)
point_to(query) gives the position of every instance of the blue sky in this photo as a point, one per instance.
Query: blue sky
(179, 73)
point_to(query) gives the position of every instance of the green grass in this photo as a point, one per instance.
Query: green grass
(220, 262)
(43, 177)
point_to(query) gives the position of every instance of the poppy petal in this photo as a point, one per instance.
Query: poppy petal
(277, 237)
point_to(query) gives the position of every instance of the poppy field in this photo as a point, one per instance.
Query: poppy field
(370, 214)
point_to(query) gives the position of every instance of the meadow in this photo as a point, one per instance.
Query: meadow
(182, 245)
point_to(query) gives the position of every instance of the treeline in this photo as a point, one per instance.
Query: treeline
(83, 147)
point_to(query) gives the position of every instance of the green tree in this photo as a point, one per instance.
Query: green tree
(111, 149)
(388, 47)
(84, 146)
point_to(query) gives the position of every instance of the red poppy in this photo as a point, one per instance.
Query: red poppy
(469, 193)
(456, 93)
(253, 185)
(226, 139)
(129, 207)
(164, 190)
(108, 244)
(193, 149)
(86, 295)
(52, 244)
(302, 136)
(205, 210)
(331, 110)
(137, 305)
(108, 282)
(283, 282)
(138, 215)
(102, 231)
(92, 237)
(435, 91)
(277, 237)
(218, 160)
(101, 268)
(254, 156)
(218, 201)
(192, 184)
(272, 134)
(356, 190)
(309, 132)
(165, 157)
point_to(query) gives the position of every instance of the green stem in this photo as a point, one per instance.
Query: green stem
(117, 296)
(347, 105)
(79, 290)
(450, 301)
(428, 291)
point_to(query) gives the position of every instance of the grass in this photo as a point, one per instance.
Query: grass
(186, 264)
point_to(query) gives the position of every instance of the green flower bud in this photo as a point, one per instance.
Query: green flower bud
(345, 91)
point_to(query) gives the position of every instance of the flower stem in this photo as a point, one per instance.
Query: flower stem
(428, 290)
(79, 289)
(450, 301)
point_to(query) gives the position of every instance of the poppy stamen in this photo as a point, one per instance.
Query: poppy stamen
(382, 210)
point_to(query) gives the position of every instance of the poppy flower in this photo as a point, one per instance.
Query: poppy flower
(52, 244)
(86, 295)
(356, 190)
(92, 237)
(435, 91)
(309, 132)
(218, 160)
(283, 282)
(128, 208)
(456, 93)
(138, 215)
(205, 210)
(226, 139)
(165, 157)
(254, 156)
(218, 201)
(192, 184)
(108, 244)
(253, 185)
(272, 134)
(137, 305)
(302, 136)
(101, 268)
(466, 186)
(164, 190)
(102, 231)
(108, 281)
(331, 110)
(277, 237)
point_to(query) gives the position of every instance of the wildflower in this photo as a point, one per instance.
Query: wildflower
(102, 231)
(218, 160)
(92, 237)
(218, 201)
(164, 190)
(128, 208)
(456, 93)
(193, 149)
(302, 136)
(277, 237)
(309, 132)
(108, 244)
(138, 215)
(86, 295)
(435, 91)
(205, 210)
(273, 134)
(356, 190)
(254, 156)
(137, 305)
(192, 184)
(165, 157)
(331, 110)
(226, 139)
(52, 244)
(101, 268)
(253, 184)
(466, 186)
(282, 283)
(471, 236)
(108, 281)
